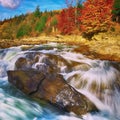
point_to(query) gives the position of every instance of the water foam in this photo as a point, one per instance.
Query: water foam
(95, 79)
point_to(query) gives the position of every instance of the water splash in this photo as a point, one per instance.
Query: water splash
(98, 80)
(100, 83)
(15, 108)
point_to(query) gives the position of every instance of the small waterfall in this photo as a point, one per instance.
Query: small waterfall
(40, 65)
(98, 80)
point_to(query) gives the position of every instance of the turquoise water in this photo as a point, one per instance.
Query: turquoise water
(14, 105)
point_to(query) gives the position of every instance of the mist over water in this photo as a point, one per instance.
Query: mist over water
(97, 80)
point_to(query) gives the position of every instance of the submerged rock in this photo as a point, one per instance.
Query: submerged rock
(52, 88)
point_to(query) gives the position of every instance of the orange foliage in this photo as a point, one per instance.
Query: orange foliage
(66, 22)
(93, 17)
(96, 16)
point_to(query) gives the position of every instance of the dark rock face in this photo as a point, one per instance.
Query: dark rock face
(52, 89)
(44, 83)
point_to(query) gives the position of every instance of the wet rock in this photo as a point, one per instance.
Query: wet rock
(46, 63)
(21, 63)
(52, 88)
(37, 75)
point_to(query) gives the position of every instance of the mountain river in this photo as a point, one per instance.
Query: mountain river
(98, 80)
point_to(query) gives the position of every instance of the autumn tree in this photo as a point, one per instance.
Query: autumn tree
(6, 31)
(68, 19)
(95, 16)
(66, 22)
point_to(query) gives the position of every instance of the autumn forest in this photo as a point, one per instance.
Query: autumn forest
(86, 19)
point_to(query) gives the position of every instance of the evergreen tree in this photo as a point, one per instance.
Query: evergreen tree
(41, 24)
(37, 12)
(23, 30)
(116, 10)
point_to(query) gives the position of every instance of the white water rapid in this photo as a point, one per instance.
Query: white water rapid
(98, 80)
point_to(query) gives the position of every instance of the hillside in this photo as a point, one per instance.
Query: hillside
(87, 20)
(98, 30)
(28, 25)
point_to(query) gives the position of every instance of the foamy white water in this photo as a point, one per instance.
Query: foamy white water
(97, 80)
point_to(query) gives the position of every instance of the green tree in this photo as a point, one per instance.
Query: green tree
(116, 10)
(116, 6)
(79, 3)
(23, 30)
(37, 12)
(54, 22)
(41, 24)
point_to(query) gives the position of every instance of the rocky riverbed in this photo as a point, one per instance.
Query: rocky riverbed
(81, 87)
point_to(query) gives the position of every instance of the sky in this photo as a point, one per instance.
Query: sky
(10, 8)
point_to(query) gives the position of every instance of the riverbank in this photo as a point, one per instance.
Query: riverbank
(103, 46)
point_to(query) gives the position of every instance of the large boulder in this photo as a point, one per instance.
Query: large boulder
(37, 75)
(52, 88)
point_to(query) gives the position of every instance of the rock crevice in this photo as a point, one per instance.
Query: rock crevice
(37, 88)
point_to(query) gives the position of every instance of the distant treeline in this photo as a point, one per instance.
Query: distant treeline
(87, 19)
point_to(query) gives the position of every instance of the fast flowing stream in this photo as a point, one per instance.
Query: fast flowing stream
(98, 80)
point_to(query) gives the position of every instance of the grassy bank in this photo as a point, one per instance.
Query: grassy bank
(104, 46)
